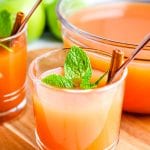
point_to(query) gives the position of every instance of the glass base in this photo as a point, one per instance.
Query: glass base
(41, 146)
(13, 112)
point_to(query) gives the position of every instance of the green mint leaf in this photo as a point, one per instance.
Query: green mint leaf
(77, 66)
(5, 24)
(6, 47)
(57, 81)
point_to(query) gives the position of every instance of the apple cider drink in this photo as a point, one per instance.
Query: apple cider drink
(74, 107)
(12, 69)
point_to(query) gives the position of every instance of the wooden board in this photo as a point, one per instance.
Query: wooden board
(18, 134)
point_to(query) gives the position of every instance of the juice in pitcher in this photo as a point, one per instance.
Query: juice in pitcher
(109, 25)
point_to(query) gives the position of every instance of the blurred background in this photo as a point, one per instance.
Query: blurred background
(43, 27)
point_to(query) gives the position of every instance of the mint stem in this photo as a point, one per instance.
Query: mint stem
(6, 48)
(101, 77)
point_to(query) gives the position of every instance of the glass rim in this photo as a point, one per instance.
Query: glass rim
(100, 89)
(13, 36)
(91, 36)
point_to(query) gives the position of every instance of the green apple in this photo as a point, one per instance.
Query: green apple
(36, 23)
(52, 20)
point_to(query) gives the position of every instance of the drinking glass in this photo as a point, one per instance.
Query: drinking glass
(13, 56)
(75, 119)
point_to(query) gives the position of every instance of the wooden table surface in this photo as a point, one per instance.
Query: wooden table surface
(18, 134)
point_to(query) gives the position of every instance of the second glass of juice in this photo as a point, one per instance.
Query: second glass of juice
(75, 119)
(13, 58)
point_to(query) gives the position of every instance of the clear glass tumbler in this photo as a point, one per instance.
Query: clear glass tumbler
(75, 119)
(109, 25)
(13, 58)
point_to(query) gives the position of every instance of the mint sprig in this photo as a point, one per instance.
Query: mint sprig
(5, 27)
(5, 24)
(77, 72)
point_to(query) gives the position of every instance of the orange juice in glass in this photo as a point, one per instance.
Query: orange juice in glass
(75, 119)
(107, 25)
(12, 75)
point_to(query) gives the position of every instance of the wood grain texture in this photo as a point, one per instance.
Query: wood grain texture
(18, 134)
(11, 141)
